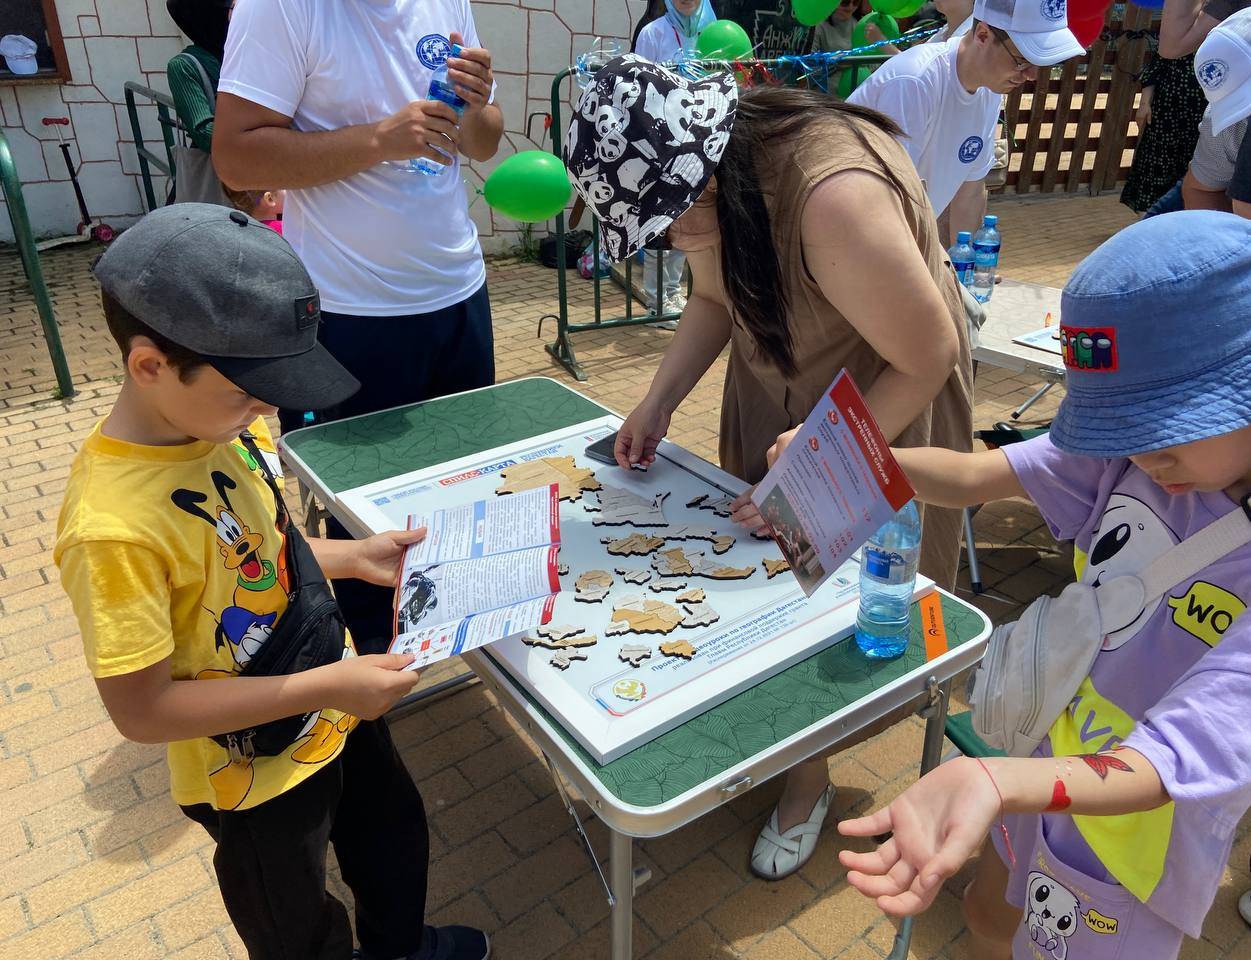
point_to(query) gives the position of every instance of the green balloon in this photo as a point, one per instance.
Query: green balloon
(530, 186)
(849, 79)
(723, 40)
(912, 7)
(894, 8)
(885, 22)
(812, 12)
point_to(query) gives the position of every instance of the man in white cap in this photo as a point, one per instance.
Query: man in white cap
(1219, 177)
(946, 96)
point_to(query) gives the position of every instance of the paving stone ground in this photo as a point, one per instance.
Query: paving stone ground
(97, 862)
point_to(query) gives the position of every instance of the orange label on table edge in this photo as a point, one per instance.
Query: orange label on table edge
(932, 626)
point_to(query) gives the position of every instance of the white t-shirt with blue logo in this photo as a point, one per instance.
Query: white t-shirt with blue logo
(948, 132)
(385, 241)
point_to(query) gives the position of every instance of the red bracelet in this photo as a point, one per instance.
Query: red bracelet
(1003, 827)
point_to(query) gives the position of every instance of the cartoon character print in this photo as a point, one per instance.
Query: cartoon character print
(1051, 914)
(1127, 538)
(260, 592)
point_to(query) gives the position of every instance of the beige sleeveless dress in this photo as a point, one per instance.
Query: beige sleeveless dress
(759, 402)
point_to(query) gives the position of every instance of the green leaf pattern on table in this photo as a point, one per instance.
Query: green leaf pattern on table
(753, 721)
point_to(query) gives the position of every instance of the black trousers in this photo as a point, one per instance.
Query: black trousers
(271, 859)
(399, 360)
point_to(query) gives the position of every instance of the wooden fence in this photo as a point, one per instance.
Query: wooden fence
(1074, 126)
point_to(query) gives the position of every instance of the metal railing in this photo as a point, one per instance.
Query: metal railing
(25, 241)
(147, 159)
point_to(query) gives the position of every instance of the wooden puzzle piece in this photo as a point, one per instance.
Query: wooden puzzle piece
(563, 658)
(665, 584)
(635, 545)
(718, 505)
(615, 507)
(638, 576)
(700, 615)
(678, 648)
(634, 653)
(563, 471)
(616, 628)
(672, 563)
(692, 596)
(592, 586)
(679, 562)
(645, 615)
(560, 638)
(721, 542)
(774, 567)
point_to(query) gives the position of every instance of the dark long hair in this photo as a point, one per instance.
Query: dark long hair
(750, 268)
(655, 10)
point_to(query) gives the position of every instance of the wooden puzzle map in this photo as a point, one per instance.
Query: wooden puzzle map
(666, 606)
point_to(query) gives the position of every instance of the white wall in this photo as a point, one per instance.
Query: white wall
(111, 41)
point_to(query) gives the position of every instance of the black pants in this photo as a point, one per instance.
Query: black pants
(399, 360)
(271, 859)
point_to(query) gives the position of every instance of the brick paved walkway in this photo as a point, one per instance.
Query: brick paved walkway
(96, 862)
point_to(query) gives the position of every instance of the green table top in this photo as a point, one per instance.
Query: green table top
(352, 453)
(708, 745)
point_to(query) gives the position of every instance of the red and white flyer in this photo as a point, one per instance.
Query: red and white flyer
(833, 486)
(484, 571)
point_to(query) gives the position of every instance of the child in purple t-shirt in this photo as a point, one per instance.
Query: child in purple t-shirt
(1112, 837)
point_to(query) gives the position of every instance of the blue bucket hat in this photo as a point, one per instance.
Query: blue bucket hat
(1156, 337)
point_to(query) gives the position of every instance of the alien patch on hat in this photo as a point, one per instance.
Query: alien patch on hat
(1092, 349)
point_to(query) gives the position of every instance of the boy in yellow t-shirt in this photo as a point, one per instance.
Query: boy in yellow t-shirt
(206, 617)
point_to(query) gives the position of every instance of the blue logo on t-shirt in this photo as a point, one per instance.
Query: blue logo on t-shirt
(1054, 9)
(971, 149)
(1212, 73)
(433, 50)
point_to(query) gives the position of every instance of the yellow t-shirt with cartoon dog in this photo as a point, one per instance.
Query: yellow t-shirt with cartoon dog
(175, 552)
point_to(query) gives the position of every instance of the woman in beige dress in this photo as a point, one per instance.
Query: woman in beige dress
(812, 248)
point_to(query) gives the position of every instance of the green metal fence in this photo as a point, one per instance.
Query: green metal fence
(167, 119)
(25, 240)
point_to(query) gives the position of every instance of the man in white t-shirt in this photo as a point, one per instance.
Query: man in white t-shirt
(946, 96)
(327, 99)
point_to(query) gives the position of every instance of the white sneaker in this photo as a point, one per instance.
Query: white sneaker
(777, 855)
(1244, 907)
(675, 303)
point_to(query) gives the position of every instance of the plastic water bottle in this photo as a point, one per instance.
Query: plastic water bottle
(985, 259)
(961, 254)
(888, 573)
(440, 89)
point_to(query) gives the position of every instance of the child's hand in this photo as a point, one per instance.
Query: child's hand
(783, 441)
(471, 75)
(369, 686)
(938, 823)
(378, 558)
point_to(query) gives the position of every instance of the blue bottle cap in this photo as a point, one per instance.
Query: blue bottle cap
(989, 220)
(964, 237)
(455, 51)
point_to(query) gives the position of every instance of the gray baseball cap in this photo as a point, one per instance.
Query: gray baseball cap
(227, 287)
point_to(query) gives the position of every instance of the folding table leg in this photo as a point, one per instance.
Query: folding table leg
(935, 714)
(621, 877)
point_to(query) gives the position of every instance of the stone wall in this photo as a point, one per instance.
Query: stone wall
(109, 42)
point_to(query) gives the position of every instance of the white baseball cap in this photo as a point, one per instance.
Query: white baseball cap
(1223, 68)
(1039, 28)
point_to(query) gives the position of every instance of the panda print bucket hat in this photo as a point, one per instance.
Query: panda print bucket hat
(642, 145)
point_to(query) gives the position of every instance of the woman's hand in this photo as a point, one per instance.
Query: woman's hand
(378, 558)
(783, 441)
(1143, 113)
(937, 824)
(746, 515)
(641, 433)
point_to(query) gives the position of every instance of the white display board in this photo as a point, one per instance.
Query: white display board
(764, 624)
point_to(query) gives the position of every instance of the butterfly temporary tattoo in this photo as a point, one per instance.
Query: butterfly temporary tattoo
(1101, 763)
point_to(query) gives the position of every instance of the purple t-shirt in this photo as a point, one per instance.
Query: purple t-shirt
(1174, 685)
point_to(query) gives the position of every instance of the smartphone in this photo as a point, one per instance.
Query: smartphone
(602, 450)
